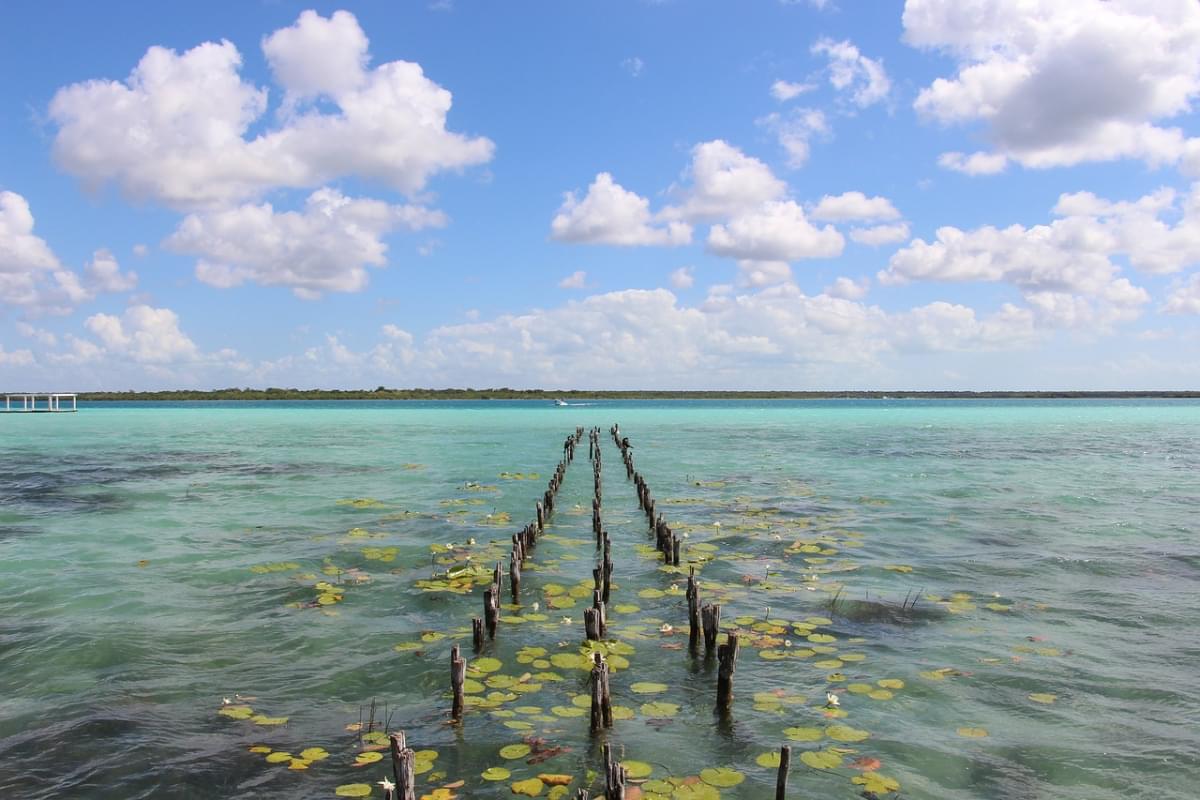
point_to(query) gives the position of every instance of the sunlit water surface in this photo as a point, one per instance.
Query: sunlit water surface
(157, 559)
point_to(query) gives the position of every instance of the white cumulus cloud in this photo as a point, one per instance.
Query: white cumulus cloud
(143, 334)
(611, 214)
(777, 231)
(795, 131)
(864, 79)
(175, 130)
(852, 206)
(722, 181)
(324, 248)
(1059, 83)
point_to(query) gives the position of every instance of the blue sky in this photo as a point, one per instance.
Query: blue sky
(929, 194)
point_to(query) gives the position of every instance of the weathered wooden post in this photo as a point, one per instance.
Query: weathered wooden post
(614, 776)
(458, 675)
(402, 767)
(727, 656)
(785, 760)
(477, 632)
(693, 601)
(541, 517)
(491, 609)
(591, 624)
(710, 614)
(514, 574)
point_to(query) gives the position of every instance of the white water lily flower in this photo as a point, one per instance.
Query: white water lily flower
(566, 620)
(831, 700)
(536, 606)
(716, 524)
(386, 784)
(666, 628)
(225, 701)
(787, 642)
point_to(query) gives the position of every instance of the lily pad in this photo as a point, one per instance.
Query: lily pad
(844, 733)
(637, 769)
(876, 784)
(804, 734)
(495, 774)
(515, 751)
(353, 790)
(721, 777)
(648, 687)
(972, 733)
(768, 760)
(314, 754)
(821, 759)
(531, 787)
(486, 664)
(659, 709)
(1043, 697)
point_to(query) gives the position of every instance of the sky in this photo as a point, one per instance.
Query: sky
(667, 194)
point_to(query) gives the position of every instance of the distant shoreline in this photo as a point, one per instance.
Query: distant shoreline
(574, 394)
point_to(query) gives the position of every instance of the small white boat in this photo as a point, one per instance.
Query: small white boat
(560, 402)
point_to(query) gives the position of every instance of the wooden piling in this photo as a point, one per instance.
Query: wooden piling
(514, 575)
(403, 759)
(458, 675)
(710, 614)
(541, 517)
(693, 601)
(591, 624)
(614, 776)
(491, 609)
(727, 656)
(477, 633)
(781, 780)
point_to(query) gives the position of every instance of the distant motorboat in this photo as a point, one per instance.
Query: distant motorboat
(560, 402)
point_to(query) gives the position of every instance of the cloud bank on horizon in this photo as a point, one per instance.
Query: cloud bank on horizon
(983, 195)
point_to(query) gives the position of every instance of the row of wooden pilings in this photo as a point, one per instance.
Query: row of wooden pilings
(704, 620)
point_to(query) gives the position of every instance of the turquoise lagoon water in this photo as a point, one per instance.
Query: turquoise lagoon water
(157, 559)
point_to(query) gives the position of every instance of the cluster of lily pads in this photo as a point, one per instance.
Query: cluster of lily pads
(747, 556)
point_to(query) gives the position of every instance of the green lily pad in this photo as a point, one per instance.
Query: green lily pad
(721, 777)
(515, 751)
(353, 790)
(972, 733)
(1043, 697)
(278, 757)
(531, 787)
(648, 687)
(768, 760)
(660, 709)
(637, 769)
(844, 733)
(875, 783)
(495, 774)
(486, 664)
(821, 759)
(804, 734)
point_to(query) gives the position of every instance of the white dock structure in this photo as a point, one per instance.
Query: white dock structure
(40, 402)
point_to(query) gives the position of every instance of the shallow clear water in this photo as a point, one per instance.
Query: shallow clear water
(130, 602)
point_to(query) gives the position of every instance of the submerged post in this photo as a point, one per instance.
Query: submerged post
(458, 676)
(727, 656)
(781, 780)
(402, 767)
